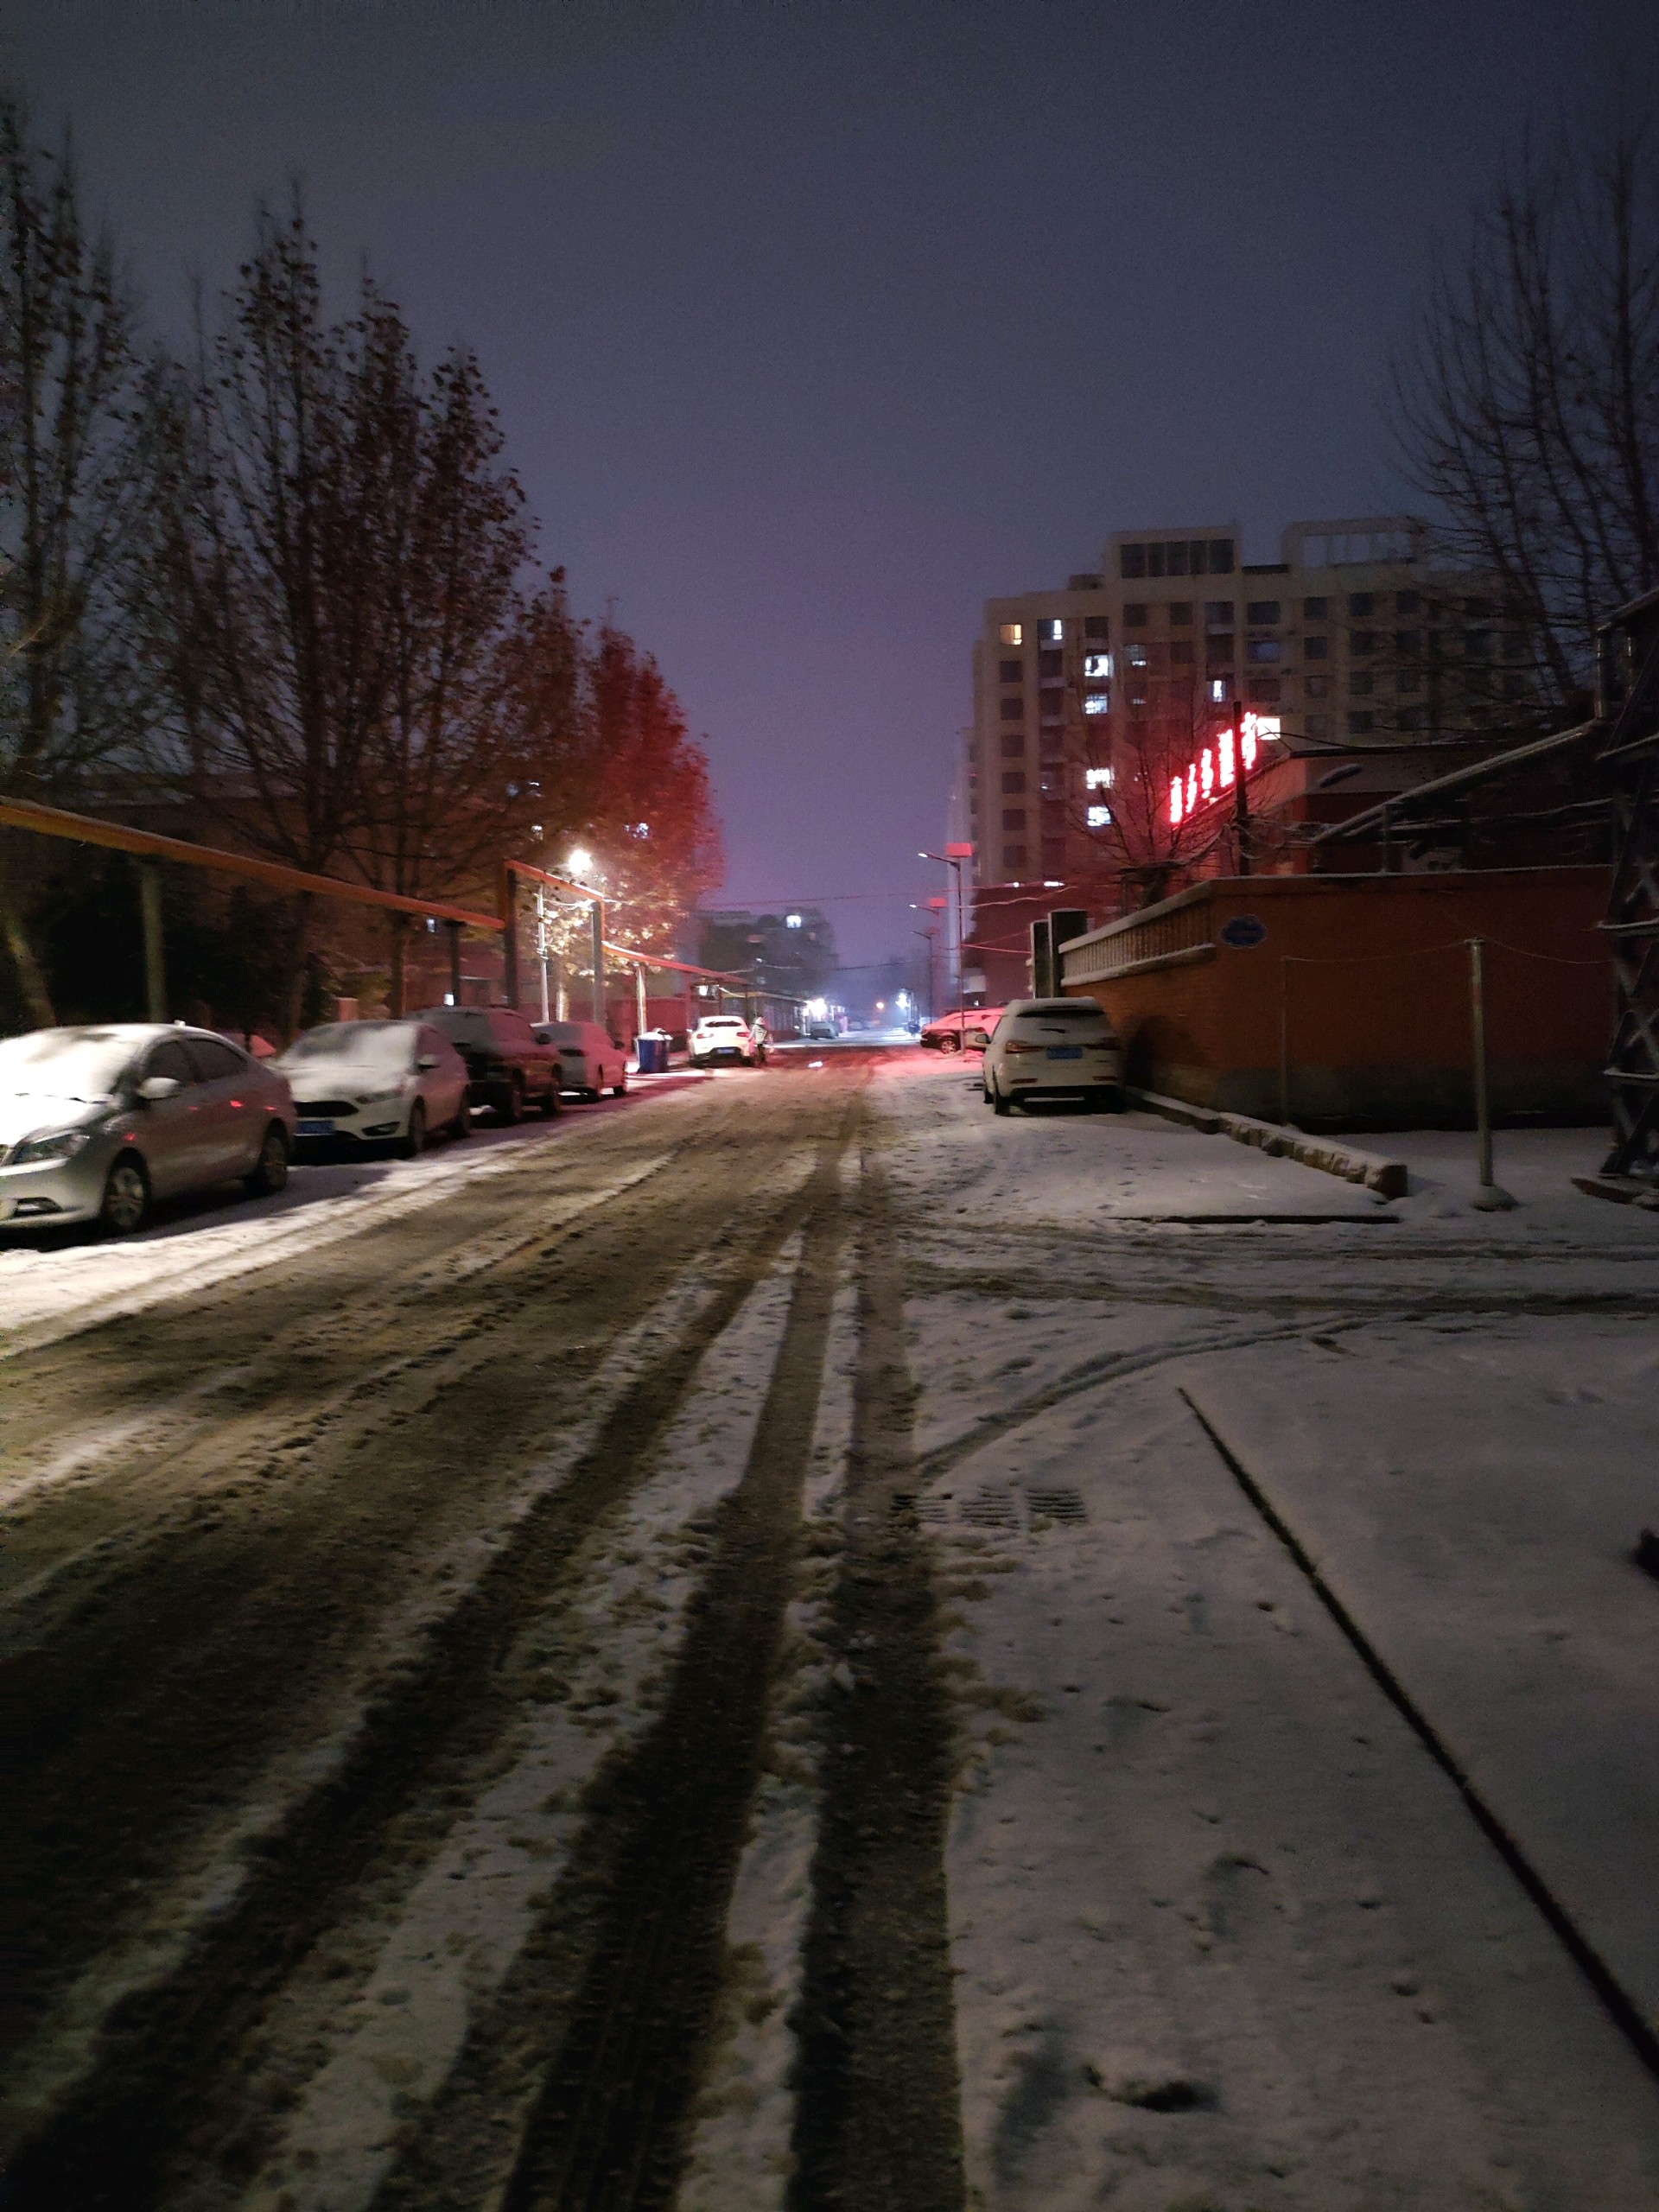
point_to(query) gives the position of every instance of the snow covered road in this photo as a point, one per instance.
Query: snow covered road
(735, 1654)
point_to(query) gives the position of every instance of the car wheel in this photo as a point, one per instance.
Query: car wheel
(1000, 1104)
(620, 1088)
(414, 1143)
(271, 1172)
(462, 1124)
(509, 1106)
(949, 1043)
(550, 1103)
(985, 1092)
(126, 1197)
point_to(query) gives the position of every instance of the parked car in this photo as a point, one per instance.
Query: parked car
(724, 1037)
(97, 1123)
(590, 1060)
(950, 1032)
(377, 1082)
(507, 1069)
(1052, 1048)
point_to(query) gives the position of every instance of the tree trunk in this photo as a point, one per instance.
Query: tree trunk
(299, 961)
(395, 990)
(36, 995)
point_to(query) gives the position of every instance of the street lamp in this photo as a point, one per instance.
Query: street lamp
(952, 857)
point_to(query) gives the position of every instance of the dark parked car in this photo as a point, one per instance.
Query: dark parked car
(507, 1068)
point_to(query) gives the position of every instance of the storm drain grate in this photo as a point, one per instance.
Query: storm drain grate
(1057, 1504)
(931, 1512)
(993, 1508)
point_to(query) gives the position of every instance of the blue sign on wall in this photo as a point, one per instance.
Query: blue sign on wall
(1243, 931)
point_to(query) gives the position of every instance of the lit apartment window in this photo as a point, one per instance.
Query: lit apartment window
(1013, 671)
(1261, 610)
(1013, 783)
(1313, 610)
(1097, 665)
(1051, 633)
(1013, 745)
(1221, 689)
(1097, 703)
(1263, 649)
(1098, 780)
(1011, 633)
(1315, 648)
(1099, 817)
(1011, 709)
(1136, 656)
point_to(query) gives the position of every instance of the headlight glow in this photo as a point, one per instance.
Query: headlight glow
(61, 1144)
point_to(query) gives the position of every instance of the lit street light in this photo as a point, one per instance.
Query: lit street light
(952, 857)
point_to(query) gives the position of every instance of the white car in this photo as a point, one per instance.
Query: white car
(359, 1084)
(951, 1032)
(590, 1060)
(1052, 1048)
(724, 1037)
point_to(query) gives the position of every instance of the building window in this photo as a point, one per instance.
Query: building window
(1012, 709)
(1217, 653)
(1516, 684)
(1097, 667)
(1013, 745)
(1180, 652)
(1135, 614)
(1097, 703)
(1221, 689)
(1218, 614)
(1099, 817)
(1050, 706)
(1014, 817)
(1221, 556)
(1131, 561)
(1413, 718)
(1051, 632)
(1408, 641)
(1359, 683)
(1050, 664)
(1136, 656)
(1261, 610)
(1011, 633)
(1360, 604)
(1013, 856)
(1098, 780)
(1315, 648)
(1407, 602)
(1265, 689)
(1014, 782)
(1478, 645)
(1362, 641)
(1263, 649)
(1476, 610)
(1180, 613)
(1319, 725)
(1318, 686)
(1096, 628)
(1361, 725)
(1313, 610)
(1410, 679)
(1013, 671)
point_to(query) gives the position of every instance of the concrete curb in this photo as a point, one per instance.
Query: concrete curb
(1389, 1178)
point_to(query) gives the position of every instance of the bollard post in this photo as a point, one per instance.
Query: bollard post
(454, 929)
(1490, 1198)
(150, 903)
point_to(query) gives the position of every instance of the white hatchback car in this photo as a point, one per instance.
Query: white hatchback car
(724, 1037)
(590, 1060)
(1052, 1048)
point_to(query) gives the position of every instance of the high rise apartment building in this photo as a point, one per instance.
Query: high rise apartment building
(1358, 653)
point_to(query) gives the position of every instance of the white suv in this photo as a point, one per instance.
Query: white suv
(1052, 1048)
(724, 1037)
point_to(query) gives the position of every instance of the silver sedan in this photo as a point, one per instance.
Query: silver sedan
(97, 1123)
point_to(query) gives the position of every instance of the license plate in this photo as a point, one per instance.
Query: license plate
(314, 1129)
(1066, 1052)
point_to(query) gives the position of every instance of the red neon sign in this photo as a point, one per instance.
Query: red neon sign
(1214, 770)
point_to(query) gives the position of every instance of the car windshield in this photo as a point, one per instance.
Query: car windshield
(364, 1044)
(1072, 1012)
(560, 1033)
(85, 1063)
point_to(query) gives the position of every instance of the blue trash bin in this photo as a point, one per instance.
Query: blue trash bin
(652, 1047)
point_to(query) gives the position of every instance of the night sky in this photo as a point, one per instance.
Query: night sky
(813, 325)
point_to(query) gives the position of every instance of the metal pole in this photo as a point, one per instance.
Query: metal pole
(955, 869)
(641, 1011)
(454, 929)
(1284, 1039)
(1240, 804)
(599, 962)
(541, 941)
(1490, 1198)
(149, 902)
(507, 900)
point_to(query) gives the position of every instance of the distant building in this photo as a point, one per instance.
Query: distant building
(792, 951)
(1366, 666)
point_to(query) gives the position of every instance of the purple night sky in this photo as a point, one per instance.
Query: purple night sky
(811, 326)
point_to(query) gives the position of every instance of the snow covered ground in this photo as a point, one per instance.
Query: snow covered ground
(1225, 1933)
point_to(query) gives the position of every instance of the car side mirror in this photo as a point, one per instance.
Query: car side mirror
(427, 1062)
(976, 1039)
(157, 1087)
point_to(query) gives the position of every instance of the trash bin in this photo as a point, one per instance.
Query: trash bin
(652, 1045)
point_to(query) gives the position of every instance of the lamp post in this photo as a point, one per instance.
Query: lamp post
(952, 857)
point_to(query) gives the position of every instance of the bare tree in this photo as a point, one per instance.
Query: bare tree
(72, 478)
(1526, 406)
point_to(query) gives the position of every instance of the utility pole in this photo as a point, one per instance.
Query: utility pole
(1241, 803)
(598, 961)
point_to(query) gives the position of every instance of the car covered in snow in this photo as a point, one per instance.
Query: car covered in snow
(380, 1083)
(590, 1060)
(1052, 1048)
(951, 1032)
(724, 1037)
(97, 1121)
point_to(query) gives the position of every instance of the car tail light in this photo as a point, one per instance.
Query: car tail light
(1014, 1046)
